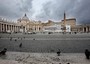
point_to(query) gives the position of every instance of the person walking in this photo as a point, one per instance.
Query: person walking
(87, 53)
(58, 52)
(20, 45)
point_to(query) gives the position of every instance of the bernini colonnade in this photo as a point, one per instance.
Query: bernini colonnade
(6, 26)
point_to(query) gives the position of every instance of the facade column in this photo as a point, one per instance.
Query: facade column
(15, 28)
(87, 29)
(37, 29)
(3, 28)
(11, 27)
(83, 29)
(6, 27)
(0, 27)
(19, 29)
(25, 28)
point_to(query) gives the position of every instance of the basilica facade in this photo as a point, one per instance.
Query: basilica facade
(50, 26)
(30, 25)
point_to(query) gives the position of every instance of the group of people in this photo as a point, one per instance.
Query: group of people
(87, 52)
(3, 52)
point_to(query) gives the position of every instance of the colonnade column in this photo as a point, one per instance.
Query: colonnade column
(0, 27)
(6, 27)
(3, 28)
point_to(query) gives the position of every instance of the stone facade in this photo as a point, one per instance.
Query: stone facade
(7, 26)
(71, 22)
(30, 25)
(85, 28)
(24, 24)
(56, 26)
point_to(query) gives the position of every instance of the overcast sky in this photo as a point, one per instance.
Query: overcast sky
(46, 9)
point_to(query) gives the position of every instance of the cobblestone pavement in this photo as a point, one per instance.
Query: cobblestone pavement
(41, 49)
(67, 43)
(43, 58)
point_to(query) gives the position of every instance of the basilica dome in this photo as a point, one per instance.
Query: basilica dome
(24, 18)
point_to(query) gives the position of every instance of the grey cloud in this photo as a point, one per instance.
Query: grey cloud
(14, 9)
(74, 8)
(52, 9)
(82, 11)
(55, 10)
(26, 5)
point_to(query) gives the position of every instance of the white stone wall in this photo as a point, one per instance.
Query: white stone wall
(68, 28)
(53, 28)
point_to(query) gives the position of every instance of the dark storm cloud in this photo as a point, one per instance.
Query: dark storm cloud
(82, 11)
(14, 9)
(74, 8)
(5, 9)
(55, 9)
(48, 9)
(26, 5)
